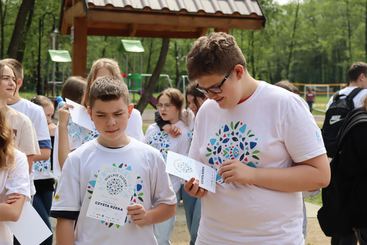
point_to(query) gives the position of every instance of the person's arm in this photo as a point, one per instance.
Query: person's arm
(11, 210)
(166, 126)
(304, 176)
(63, 144)
(65, 231)
(45, 155)
(158, 214)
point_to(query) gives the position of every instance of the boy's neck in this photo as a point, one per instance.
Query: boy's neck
(123, 141)
(250, 84)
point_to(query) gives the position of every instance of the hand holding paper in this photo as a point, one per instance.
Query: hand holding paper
(187, 168)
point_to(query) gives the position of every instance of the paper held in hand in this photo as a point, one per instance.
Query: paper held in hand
(79, 115)
(112, 194)
(187, 168)
(30, 228)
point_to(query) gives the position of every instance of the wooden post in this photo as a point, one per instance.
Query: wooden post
(80, 44)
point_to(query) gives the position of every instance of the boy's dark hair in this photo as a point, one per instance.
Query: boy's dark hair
(107, 89)
(175, 96)
(216, 53)
(357, 69)
(74, 88)
(16, 66)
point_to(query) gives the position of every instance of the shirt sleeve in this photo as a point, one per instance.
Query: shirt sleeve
(18, 178)
(301, 135)
(28, 142)
(41, 125)
(67, 197)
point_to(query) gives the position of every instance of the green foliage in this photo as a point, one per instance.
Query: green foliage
(321, 51)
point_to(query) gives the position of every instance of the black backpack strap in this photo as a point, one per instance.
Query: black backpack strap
(351, 95)
(355, 117)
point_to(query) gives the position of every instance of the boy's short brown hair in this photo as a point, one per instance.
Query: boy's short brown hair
(216, 53)
(107, 89)
(357, 69)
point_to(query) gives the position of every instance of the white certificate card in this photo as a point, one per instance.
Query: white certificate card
(187, 168)
(112, 194)
(30, 228)
(79, 115)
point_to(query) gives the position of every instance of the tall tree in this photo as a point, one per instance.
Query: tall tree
(18, 39)
(147, 95)
(291, 46)
(3, 12)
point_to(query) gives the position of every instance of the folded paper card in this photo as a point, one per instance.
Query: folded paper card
(187, 168)
(79, 115)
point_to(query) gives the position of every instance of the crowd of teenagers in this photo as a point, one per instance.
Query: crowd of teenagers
(261, 139)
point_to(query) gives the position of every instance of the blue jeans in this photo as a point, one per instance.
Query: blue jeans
(42, 201)
(192, 208)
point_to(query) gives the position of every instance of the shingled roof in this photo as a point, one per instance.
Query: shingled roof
(162, 18)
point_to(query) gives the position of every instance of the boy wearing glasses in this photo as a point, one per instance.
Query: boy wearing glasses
(264, 144)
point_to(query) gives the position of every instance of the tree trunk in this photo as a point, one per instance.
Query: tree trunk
(23, 42)
(150, 85)
(177, 59)
(290, 56)
(19, 31)
(349, 29)
(252, 53)
(150, 52)
(3, 12)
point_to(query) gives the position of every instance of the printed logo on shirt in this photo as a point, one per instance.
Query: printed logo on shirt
(160, 141)
(233, 141)
(115, 186)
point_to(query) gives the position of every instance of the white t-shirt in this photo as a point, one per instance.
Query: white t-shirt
(25, 137)
(12, 181)
(37, 116)
(271, 129)
(78, 179)
(358, 99)
(135, 125)
(164, 142)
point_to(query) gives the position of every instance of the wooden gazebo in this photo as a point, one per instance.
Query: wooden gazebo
(152, 18)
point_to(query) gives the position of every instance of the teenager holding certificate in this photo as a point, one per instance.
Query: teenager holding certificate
(153, 199)
(264, 144)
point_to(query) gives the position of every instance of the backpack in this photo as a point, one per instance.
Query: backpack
(331, 217)
(334, 118)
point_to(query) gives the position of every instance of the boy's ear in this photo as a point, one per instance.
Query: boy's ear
(130, 108)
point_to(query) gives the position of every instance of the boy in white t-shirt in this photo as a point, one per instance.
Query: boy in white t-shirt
(153, 201)
(264, 144)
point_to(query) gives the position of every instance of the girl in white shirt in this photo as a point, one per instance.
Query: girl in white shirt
(170, 104)
(14, 180)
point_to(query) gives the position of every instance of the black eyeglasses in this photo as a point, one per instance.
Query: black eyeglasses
(215, 89)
